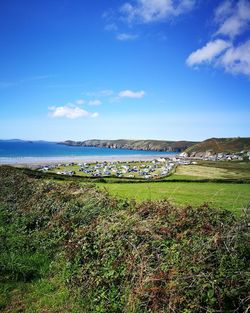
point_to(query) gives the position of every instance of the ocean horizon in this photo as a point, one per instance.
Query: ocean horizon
(17, 151)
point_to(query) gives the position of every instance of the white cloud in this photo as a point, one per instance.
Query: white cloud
(207, 53)
(131, 94)
(237, 59)
(94, 102)
(126, 37)
(112, 96)
(70, 111)
(223, 11)
(106, 93)
(146, 11)
(143, 12)
(80, 101)
(232, 19)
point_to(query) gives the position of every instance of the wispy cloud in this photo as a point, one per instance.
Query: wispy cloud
(99, 93)
(112, 27)
(147, 11)
(135, 12)
(94, 102)
(237, 59)
(110, 96)
(106, 92)
(62, 86)
(37, 77)
(232, 19)
(208, 52)
(131, 94)
(70, 111)
(80, 101)
(126, 37)
(7, 84)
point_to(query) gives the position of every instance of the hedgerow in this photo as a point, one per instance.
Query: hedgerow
(121, 256)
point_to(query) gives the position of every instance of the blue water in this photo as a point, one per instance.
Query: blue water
(17, 149)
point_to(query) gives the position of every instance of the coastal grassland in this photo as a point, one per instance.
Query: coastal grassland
(240, 166)
(230, 193)
(209, 172)
(228, 196)
(200, 172)
(213, 170)
(71, 248)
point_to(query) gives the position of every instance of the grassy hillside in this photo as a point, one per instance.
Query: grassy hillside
(70, 248)
(217, 145)
(157, 145)
(214, 145)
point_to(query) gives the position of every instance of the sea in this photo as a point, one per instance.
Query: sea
(25, 152)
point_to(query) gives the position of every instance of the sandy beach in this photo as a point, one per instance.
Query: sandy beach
(34, 162)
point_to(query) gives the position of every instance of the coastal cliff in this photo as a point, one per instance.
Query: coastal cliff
(214, 146)
(188, 148)
(146, 145)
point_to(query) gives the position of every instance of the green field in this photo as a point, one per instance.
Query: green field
(220, 195)
(203, 172)
(184, 187)
(213, 170)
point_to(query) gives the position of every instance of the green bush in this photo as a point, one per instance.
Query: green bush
(117, 256)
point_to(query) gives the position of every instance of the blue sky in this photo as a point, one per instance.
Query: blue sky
(156, 69)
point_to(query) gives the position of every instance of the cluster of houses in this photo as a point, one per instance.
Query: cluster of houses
(208, 156)
(145, 169)
(224, 157)
(52, 168)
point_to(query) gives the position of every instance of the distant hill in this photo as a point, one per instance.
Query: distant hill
(13, 140)
(21, 140)
(151, 145)
(217, 145)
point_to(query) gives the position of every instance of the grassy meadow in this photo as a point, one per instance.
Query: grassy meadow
(207, 172)
(213, 170)
(219, 184)
(184, 186)
(229, 196)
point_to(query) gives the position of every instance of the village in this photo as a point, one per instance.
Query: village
(156, 168)
(209, 156)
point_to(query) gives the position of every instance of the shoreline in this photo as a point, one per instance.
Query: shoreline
(41, 161)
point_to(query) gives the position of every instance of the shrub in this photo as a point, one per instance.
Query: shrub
(119, 256)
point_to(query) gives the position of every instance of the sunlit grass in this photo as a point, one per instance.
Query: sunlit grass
(209, 172)
(233, 197)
